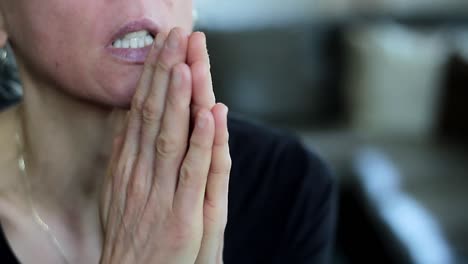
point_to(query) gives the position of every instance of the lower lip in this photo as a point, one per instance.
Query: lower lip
(135, 56)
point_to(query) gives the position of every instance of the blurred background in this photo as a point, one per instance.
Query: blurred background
(379, 89)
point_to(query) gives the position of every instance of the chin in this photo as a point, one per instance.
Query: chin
(122, 97)
(120, 91)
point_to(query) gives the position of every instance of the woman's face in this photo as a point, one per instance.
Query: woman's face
(72, 43)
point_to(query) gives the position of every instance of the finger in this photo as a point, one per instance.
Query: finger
(197, 48)
(131, 139)
(216, 197)
(171, 143)
(193, 174)
(198, 59)
(144, 84)
(220, 168)
(173, 51)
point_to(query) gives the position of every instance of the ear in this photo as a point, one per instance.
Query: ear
(3, 31)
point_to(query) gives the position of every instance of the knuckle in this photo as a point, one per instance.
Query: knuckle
(222, 168)
(227, 164)
(166, 145)
(188, 175)
(162, 65)
(137, 102)
(200, 144)
(216, 217)
(174, 102)
(150, 65)
(150, 113)
(221, 172)
(137, 188)
(178, 101)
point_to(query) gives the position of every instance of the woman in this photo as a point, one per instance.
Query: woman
(129, 74)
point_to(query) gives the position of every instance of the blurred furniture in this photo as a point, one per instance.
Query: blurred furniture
(282, 75)
(393, 80)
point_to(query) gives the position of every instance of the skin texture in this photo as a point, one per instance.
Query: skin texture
(156, 192)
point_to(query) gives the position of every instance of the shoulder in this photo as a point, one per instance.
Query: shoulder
(281, 198)
(276, 160)
(254, 143)
(249, 138)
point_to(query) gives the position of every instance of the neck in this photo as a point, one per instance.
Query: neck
(66, 146)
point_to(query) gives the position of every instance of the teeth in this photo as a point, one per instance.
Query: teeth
(149, 40)
(137, 34)
(141, 42)
(118, 44)
(134, 40)
(134, 43)
(125, 43)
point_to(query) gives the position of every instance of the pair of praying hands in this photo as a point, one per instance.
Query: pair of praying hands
(165, 195)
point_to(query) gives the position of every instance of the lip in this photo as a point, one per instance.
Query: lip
(136, 56)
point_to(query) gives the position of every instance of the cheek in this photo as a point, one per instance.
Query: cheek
(183, 15)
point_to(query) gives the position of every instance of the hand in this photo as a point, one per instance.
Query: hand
(165, 196)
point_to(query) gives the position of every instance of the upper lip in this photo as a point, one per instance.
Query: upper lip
(136, 25)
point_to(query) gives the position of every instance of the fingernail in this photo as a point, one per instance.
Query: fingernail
(204, 39)
(173, 41)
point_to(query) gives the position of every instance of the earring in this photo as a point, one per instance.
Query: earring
(3, 56)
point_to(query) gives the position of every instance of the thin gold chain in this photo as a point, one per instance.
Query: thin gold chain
(36, 217)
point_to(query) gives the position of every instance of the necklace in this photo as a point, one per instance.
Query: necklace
(35, 214)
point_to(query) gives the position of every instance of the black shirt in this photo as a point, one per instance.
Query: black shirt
(281, 200)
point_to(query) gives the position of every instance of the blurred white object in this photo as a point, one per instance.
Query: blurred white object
(412, 224)
(394, 77)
